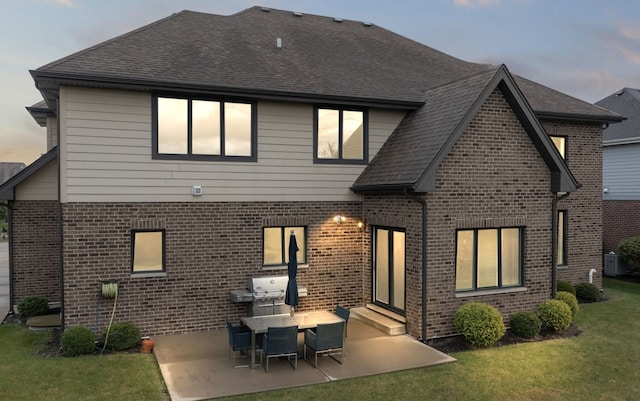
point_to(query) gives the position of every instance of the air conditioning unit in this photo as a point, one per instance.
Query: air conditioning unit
(613, 266)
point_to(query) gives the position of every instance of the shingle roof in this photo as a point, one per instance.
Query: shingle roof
(410, 157)
(320, 58)
(627, 103)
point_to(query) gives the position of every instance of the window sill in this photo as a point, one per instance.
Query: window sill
(282, 267)
(148, 275)
(499, 291)
(562, 266)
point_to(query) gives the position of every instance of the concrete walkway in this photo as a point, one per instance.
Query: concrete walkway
(4, 279)
(196, 366)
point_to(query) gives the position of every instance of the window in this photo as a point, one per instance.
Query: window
(489, 258)
(203, 129)
(561, 257)
(340, 136)
(561, 144)
(275, 248)
(147, 251)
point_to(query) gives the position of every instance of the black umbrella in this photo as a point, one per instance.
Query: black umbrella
(291, 297)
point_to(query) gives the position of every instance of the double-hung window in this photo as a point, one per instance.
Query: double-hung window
(340, 135)
(203, 129)
(489, 258)
(275, 248)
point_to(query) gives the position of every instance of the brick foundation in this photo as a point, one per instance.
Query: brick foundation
(35, 250)
(211, 249)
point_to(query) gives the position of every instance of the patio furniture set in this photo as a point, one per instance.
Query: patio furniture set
(276, 336)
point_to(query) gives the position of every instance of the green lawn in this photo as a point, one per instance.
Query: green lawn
(600, 364)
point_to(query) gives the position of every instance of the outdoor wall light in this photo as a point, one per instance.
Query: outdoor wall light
(339, 219)
(360, 224)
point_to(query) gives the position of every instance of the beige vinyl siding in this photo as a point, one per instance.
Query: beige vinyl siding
(52, 133)
(106, 147)
(41, 185)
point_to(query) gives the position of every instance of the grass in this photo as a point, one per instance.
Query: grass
(600, 364)
(27, 376)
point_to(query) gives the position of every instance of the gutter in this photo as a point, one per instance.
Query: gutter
(423, 202)
(554, 240)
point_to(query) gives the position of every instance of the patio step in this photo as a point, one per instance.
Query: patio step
(376, 319)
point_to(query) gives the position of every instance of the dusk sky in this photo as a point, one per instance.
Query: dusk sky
(586, 48)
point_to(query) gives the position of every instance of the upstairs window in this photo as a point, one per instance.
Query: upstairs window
(489, 258)
(203, 129)
(340, 136)
(561, 144)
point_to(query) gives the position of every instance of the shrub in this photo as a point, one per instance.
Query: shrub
(121, 336)
(587, 292)
(33, 306)
(565, 286)
(77, 341)
(629, 252)
(525, 324)
(569, 299)
(554, 315)
(479, 323)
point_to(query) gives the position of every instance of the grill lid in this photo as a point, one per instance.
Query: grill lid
(268, 288)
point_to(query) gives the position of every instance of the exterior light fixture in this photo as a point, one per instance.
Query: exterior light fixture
(339, 219)
(361, 224)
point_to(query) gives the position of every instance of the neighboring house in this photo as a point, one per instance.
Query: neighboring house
(9, 169)
(621, 170)
(285, 120)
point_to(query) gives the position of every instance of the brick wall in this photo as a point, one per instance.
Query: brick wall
(493, 177)
(35, 250)
(211, 249)
(620, 220)
(584, 207)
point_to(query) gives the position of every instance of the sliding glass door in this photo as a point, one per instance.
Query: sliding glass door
(389, 268)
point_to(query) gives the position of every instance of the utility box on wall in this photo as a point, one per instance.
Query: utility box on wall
(613, 266)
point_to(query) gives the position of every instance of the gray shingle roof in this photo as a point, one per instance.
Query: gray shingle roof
(627, 103)
(319, 56)
(412, 154)
(320, 59)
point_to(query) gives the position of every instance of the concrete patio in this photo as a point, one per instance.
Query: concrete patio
(195, 366)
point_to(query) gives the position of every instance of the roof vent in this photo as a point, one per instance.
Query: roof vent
(366, 23)
(278, 43)
(265, 9)
(297, 14)
(337, 19)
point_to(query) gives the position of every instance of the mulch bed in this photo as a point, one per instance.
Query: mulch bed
(450, 345)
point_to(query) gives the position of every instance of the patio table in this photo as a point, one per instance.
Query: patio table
(306, 320)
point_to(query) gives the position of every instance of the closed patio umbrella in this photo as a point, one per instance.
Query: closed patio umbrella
(291, 297)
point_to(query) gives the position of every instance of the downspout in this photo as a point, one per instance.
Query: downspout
(554, 240)
(423, 202)
(60, 230)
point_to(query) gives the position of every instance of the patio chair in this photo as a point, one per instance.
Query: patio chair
(326, 339)
(240, 340)
(281, 342)
(343, 313)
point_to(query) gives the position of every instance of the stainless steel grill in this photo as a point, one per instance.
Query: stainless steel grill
(266, 295)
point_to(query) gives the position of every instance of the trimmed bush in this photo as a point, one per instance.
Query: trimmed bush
(525, 324)
(565, 286)
(587, 292)
(569, 299)
(33, 306)
(77, 341)
(629, 252)
(122, 336)
(554, 315)
(479, 323)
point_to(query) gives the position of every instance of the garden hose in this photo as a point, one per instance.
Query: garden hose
(109, 291)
